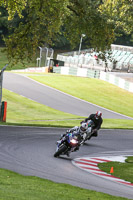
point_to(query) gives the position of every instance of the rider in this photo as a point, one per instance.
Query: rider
(80, 131)
(77, 131)
(97, 120)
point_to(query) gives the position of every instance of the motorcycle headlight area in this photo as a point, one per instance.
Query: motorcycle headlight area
(73, 141)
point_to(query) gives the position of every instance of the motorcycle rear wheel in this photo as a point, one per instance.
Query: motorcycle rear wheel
(60, 151)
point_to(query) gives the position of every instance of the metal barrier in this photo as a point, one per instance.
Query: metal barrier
(45, 55)
(122, 48)
(83, 72)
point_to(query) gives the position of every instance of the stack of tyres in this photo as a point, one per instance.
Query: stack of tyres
(3, 111)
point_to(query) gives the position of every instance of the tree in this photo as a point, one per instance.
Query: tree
(14, 7)
(3, 23)
(120, 13)
(86, 17)
(41, 20)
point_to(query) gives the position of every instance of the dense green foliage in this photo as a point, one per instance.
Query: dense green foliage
(39, 23)
(120, 13)
(3, 23)
(35, 23)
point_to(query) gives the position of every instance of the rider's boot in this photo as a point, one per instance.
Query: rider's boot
(68, 153)
(95, 134)
(77, 148)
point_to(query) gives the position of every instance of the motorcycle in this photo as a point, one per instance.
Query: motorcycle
(69, 143)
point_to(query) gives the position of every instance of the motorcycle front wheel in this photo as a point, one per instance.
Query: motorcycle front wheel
(60, 151)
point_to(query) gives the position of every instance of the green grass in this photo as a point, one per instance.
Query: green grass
(14, 186)
(121, 170)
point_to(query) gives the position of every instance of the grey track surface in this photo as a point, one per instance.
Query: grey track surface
(29, 151)
(53, 98)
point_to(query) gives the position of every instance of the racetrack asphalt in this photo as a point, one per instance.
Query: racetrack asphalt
(29, 150)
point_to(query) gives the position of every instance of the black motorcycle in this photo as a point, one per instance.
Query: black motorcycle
(68, 143)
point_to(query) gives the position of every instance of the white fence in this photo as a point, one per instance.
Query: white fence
(122, 83)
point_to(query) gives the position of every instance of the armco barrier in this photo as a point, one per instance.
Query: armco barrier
(120, 82)
(84, 72)
(73, 71)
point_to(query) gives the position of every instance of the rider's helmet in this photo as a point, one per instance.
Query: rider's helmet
(83, 127)
(98, 114)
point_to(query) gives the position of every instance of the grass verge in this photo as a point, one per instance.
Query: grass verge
(121, 170)
(14, 186)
